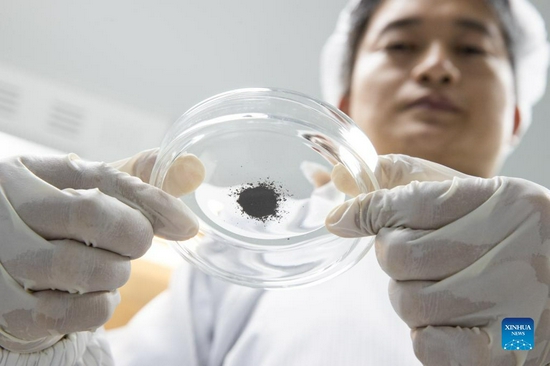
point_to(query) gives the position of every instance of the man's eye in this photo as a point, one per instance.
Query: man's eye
(401, 47)
(471, 50)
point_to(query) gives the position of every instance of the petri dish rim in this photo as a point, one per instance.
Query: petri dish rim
(170, 150)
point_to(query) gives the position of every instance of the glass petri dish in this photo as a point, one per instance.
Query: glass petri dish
(262, 205)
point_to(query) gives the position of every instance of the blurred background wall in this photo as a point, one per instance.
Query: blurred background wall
(105, 79)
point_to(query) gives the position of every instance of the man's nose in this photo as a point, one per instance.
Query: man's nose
(436, 67)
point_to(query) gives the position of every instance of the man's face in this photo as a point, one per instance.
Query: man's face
(432, 79)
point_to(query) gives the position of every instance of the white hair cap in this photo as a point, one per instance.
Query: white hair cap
(532, 59)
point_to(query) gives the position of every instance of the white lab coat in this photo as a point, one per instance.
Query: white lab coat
(202, 321)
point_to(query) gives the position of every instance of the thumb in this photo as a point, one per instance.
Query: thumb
(395, 170)
(185, 175)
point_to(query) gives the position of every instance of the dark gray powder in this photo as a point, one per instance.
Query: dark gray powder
(260, 201)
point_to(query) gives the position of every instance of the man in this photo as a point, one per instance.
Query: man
(432, 79)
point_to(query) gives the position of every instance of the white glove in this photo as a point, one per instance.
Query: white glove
(463, 254)
(68, 229)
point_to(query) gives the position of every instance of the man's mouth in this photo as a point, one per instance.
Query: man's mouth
(434, 103)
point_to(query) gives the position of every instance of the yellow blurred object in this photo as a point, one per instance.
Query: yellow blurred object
(149, 277)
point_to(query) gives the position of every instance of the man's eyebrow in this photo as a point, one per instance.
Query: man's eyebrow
(401, 23)
(474, 25)
(466, 23)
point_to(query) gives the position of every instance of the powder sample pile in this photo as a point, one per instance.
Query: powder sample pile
(260, 201)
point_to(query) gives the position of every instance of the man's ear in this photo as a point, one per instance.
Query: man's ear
(516, 132)
(517, 121)
(344, 104)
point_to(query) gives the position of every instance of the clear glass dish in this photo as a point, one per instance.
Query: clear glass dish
(262, 206)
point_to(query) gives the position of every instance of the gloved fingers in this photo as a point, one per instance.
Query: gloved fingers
(440, 346)
(139, 165)
(418, 205)
(424, 303)
(69, 266)
(184, 176)
(406, 254)
(169, 217)
(59, 313)
(90, 217)
(395, 170)
(316, 174)
(344, 181)
(340, 176)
